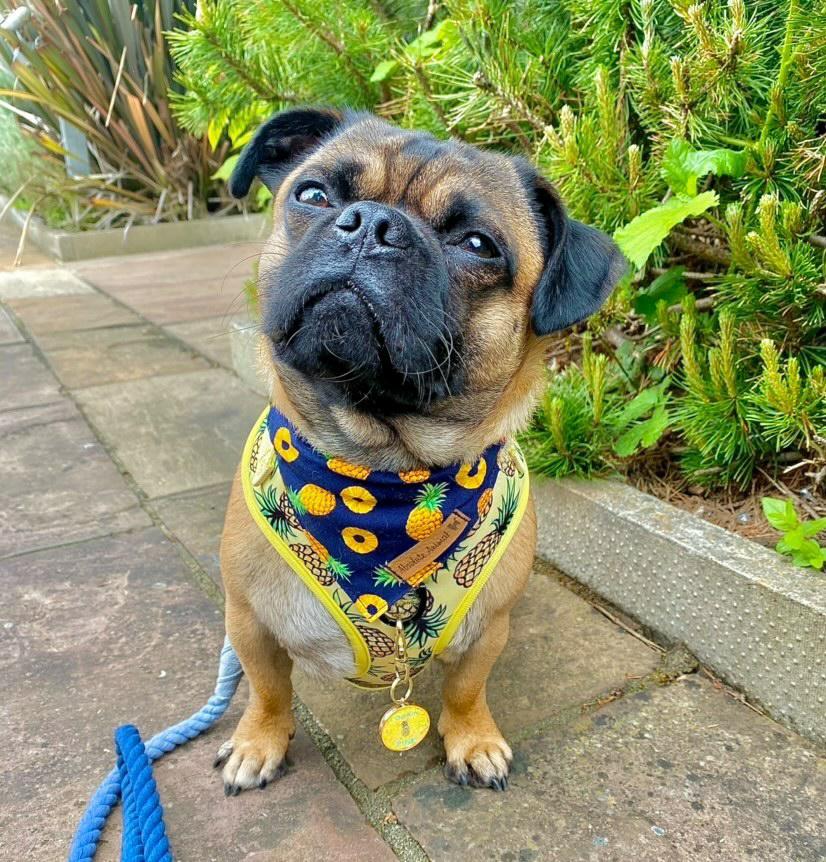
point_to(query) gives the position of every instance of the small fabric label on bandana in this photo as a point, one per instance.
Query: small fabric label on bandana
(415, 560)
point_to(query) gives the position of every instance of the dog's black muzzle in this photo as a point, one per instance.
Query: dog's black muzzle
(362, 303)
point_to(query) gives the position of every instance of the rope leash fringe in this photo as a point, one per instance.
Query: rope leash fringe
(132, 778)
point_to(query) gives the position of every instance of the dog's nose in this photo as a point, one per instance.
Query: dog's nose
(375, 225)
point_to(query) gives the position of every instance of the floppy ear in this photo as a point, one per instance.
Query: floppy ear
(582, 266)
(278, 143)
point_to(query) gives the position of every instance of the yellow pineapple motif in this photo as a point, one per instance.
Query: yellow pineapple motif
(283, 444)
(360, 541)
(345, 468)
(472, 475)
(323, 553)
(411, 477)
(426, 516)
(317, 500)
(485, 501)
(358, 499)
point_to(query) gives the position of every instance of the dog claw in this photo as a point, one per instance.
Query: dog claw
(263, 783)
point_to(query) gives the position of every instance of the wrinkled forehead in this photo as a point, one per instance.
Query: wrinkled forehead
(430, 178)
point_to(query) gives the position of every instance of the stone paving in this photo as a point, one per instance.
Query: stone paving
(122, 423)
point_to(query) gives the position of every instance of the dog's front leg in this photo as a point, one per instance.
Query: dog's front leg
(256, 753)
(477, 753)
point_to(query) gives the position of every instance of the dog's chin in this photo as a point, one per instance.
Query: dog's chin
(338, 344)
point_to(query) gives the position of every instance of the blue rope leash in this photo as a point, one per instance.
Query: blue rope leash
(144, 835)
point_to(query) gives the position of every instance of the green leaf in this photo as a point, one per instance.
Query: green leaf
(812, 528)
(668, 287)
(642, 235)
(226, 169)
(780, 513)
(262, 195)
(386, 69)
(794, 539)
(641, 404)
(655, 427)
(809, 555)
(682, 165)
(643, 434)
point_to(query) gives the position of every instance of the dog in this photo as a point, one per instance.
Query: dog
(405, 293)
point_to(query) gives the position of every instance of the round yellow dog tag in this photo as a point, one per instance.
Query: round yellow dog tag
(404, 726)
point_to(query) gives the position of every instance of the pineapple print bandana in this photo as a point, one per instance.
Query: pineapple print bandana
(374, 545)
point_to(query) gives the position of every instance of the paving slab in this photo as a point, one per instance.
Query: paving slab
(95, 356)
(24, 379)
(683, 773)
(211, 337)
(30, 283)
(178, 432)
(59, 485)
(196, 518)
(177, 287)
(44, 315)
(560, 653)
(9, 333)
(111, 631)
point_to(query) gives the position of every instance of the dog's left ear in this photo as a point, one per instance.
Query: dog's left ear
(582, 264)
(278, 142)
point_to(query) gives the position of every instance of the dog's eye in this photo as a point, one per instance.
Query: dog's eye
(314, 196)
(479, 245)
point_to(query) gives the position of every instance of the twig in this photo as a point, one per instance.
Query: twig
(432, 9)
(814, 239)
(18, 255)
(699, 249)
(784, 489)
(692, 276)
(12, 199)
(116, 87)
(631, 631)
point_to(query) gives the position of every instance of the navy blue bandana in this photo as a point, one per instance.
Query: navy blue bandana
(366, 519)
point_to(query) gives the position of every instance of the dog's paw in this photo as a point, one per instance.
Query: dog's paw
(478, 760)
(253, 758)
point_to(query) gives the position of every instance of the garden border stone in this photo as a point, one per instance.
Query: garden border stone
(744, 611)
(66, 246)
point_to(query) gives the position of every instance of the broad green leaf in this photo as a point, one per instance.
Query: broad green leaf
(780, 513)
(640, 404)
(655, 427)
(795, 539)
(226, 169)
(668, 287)
(384, 70)
(682, 165)
(812, 528)
(643, 434)
(810, 554)
(642, 235)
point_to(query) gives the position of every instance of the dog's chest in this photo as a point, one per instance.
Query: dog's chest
(301, 624)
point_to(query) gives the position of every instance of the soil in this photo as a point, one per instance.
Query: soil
(739, 511)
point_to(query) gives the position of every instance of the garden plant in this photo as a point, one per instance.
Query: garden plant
(692, 131)
(89, 85)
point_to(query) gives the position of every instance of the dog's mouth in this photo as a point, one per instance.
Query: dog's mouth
(371, 355)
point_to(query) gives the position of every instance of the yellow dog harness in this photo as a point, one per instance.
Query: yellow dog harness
(375, 547)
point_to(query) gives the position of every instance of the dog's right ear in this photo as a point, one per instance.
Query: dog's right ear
(278, 142)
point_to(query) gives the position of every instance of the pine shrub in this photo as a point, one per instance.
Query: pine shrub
(693, 131)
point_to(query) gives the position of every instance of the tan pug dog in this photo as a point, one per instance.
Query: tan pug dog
(405, 293)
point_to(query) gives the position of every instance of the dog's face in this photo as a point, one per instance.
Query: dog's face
(406, 274)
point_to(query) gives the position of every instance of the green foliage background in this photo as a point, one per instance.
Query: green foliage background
(695, 131)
